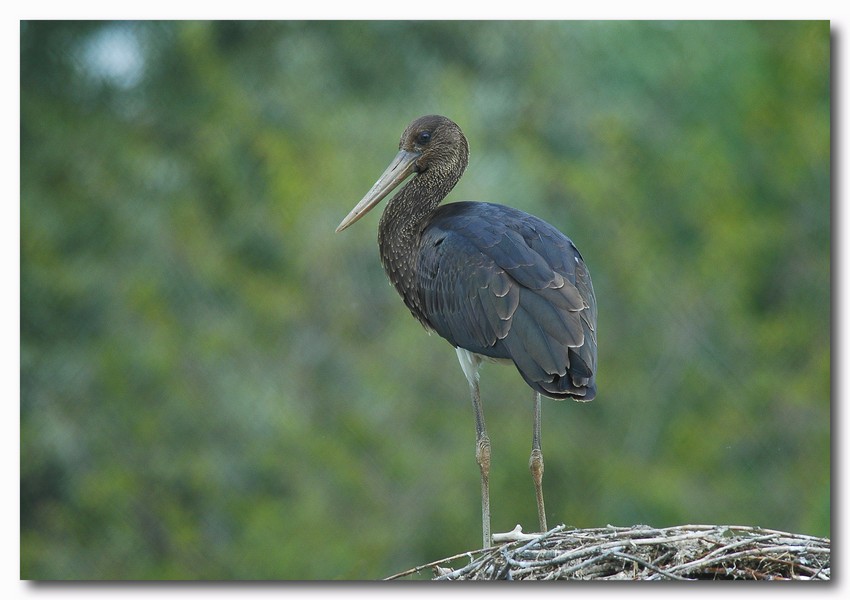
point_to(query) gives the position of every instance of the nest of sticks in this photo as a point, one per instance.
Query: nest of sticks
(688, 552)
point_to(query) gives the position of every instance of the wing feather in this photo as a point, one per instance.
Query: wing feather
(499, 282)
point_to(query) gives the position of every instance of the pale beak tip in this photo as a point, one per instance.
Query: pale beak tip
(344, 224)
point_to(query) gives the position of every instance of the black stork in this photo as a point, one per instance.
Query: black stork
(497, 283)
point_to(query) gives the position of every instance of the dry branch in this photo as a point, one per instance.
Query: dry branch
(688, 552)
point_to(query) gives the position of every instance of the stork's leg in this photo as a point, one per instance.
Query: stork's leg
(482, 457)
(535, 463)
(470, 362)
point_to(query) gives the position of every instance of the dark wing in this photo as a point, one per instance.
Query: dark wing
(500, 282)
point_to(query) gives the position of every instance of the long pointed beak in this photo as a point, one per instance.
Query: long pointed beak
(401, 166)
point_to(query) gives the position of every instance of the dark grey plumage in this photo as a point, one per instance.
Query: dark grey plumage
(502, 283)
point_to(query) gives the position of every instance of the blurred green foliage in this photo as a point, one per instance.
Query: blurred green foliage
(215, 385)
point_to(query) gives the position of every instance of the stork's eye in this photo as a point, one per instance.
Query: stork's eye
(423, 138)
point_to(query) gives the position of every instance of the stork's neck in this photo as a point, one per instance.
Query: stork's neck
(401, 226)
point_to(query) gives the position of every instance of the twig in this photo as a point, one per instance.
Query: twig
(680, 553)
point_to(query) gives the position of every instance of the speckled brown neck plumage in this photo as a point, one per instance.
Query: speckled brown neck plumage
(404, 219)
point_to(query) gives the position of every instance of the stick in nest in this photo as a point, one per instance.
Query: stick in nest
(687, 552)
